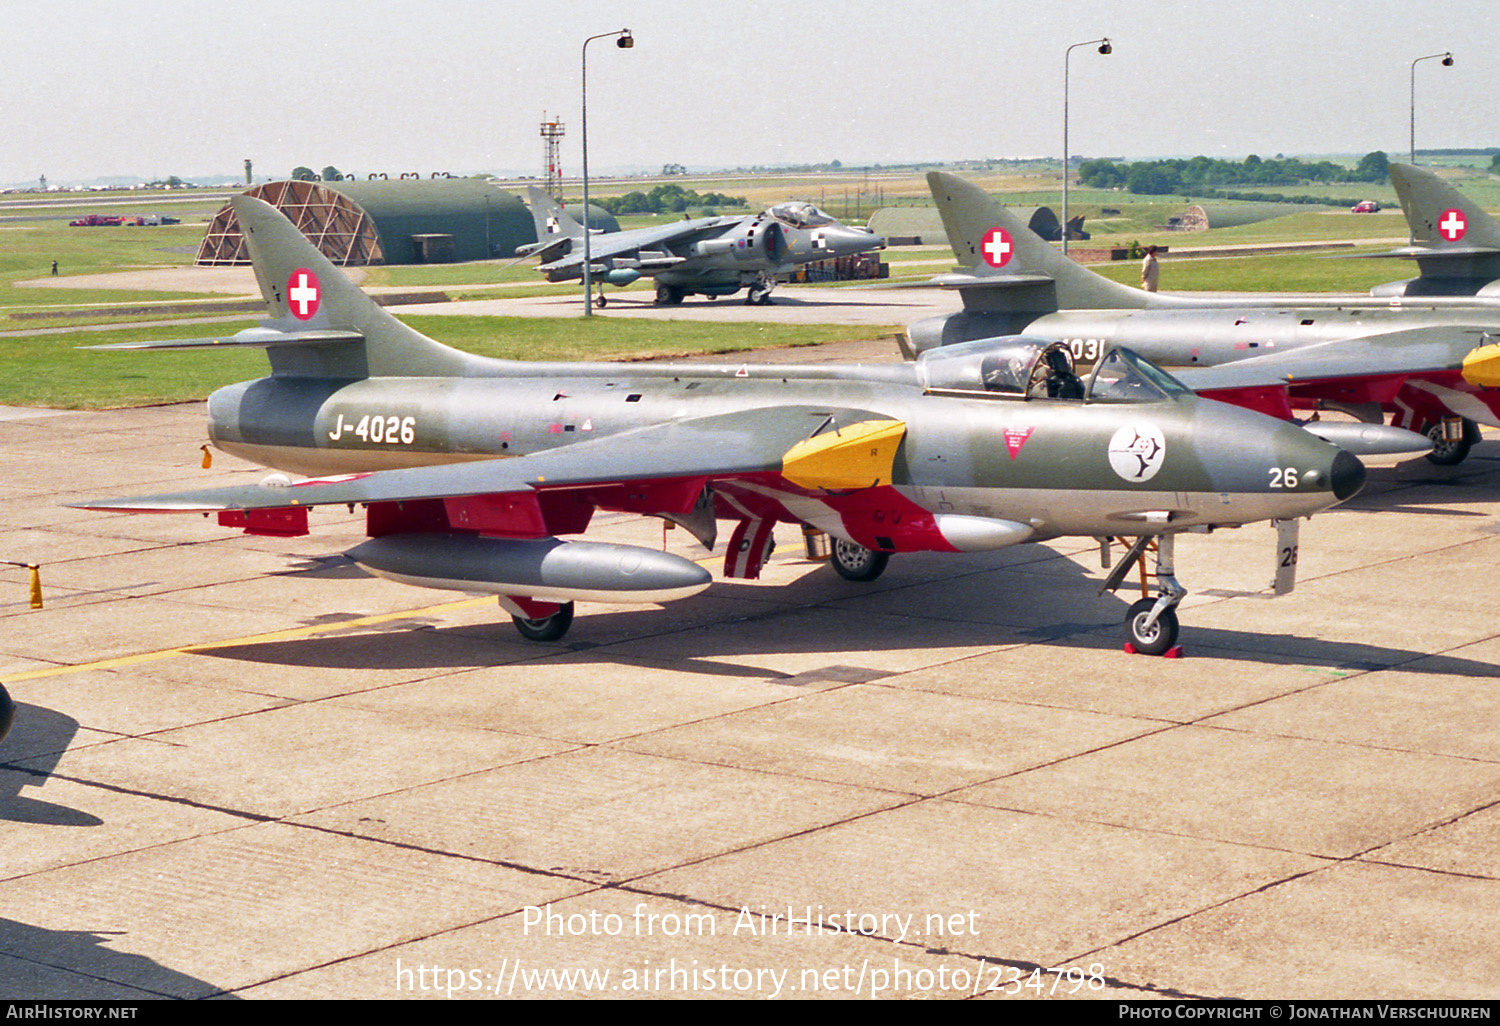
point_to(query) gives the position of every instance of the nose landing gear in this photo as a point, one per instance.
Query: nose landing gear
(1151, 623)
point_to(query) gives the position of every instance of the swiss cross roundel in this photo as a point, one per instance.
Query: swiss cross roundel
(1453, 224)
(996, 248)
(303, 294)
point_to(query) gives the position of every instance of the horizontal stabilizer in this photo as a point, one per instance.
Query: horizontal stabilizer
(553, 248)
(1422, 253)
(256, 338)
(960, 280)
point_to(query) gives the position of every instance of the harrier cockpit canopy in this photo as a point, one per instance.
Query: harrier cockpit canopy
(800, 215)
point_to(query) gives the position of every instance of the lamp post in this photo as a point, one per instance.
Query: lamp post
(1104, 48)
(1447, 63)
(624, 40)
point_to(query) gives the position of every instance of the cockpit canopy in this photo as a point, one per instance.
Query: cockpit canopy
(800, 215)
(1023, 367)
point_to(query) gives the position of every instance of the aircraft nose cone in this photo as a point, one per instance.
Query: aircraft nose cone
(855, 240)
(1347, 475)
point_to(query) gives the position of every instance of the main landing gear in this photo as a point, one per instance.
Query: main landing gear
(1151, 623)
(1451, 441)
(546, 628)
(857, 563)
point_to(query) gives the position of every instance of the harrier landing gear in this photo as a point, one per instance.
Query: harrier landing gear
(669, 295)
(1151, 623)
(760, 291)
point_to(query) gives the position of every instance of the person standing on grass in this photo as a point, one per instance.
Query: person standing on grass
(1150, 270)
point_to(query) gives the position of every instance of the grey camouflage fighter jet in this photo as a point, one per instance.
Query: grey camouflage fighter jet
(710, 256)
(1428, 362)
(1455, 243)
(971, 448)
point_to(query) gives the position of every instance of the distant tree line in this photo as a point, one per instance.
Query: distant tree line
(1202, 175)
(666, 199)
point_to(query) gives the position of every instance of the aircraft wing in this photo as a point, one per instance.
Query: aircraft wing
(631, 243)
(1394, 354)
(719, 447)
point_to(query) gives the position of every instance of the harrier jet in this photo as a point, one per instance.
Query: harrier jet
(711, 256)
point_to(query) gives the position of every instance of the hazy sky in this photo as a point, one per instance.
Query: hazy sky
(165, 87)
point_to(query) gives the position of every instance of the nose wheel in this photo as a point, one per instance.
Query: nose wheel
(1151, 623)
(760, 291)
(1151, 635)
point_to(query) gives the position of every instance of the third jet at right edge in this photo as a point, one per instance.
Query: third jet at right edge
(1429, 361)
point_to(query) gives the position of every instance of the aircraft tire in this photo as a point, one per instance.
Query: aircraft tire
(857, 563)
(603, 302)
(1156, 639)
(546, 628)
(1450, 454)
(668, 295)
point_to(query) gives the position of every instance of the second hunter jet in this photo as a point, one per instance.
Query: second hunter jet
(710, 256)
(1455, 243)
(1428, 362)
(969, 449)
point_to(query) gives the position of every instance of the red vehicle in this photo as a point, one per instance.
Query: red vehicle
(1365, 207)
(94, 221)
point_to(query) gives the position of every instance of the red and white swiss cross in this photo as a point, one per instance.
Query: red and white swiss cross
(1453, 224)
(303, 294)
(997, 247)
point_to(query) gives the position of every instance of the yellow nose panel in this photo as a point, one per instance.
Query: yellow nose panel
(857, 456)
(1482, 367)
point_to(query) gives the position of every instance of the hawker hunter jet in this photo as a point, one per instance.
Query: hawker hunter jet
(1455, 243)
(711, 256)
(968, 449)
(1430, 362)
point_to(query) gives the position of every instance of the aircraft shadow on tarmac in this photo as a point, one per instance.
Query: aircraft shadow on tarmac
(38, 739)
(427, 648)
(66, 965)
(79, 965)
(1047, 601)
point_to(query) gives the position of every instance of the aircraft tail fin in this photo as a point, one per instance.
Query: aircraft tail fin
(1453, 240)
(556, 229)
(1008, 267)
(1426, 199)
(322, 324)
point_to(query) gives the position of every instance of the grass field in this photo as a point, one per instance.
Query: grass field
(49, 369)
